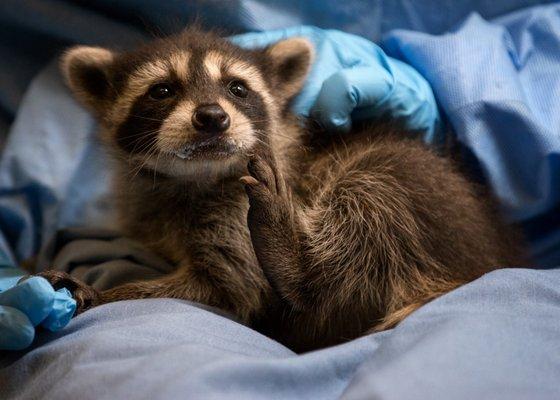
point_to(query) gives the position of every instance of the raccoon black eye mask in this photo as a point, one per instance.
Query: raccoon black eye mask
(312, 241)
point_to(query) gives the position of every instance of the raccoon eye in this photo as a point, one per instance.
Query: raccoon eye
(161, 91)
(238, 89)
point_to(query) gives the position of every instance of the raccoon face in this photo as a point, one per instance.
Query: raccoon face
(189, 104)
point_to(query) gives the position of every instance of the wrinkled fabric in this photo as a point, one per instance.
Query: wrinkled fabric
(505, 108)
(496, 338)
(53, 172)
(101, 258)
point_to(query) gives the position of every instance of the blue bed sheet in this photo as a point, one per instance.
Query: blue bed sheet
(494, 339)
(499, 84)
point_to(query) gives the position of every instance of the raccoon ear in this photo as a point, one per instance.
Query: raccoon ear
(291, 62)
(86, 70)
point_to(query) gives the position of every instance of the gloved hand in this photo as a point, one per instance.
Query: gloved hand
(352, 78)
(29, 303)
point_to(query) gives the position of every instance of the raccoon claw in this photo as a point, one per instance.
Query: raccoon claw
(86, 297)
(248, 180)
(269, 200)
(263, 172)
(263, 185)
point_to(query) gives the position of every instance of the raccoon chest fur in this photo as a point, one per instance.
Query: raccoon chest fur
(203, 231)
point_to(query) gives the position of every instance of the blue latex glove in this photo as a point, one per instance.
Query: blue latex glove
(352, 78)
(29, 303)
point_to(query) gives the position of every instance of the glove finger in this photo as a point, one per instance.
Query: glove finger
(16, 330)
(34, 297)
(253, 40)
(257, 39)
(411, 100)
(62, 311)
(347, 90)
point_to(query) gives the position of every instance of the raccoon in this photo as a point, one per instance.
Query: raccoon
(312, 242)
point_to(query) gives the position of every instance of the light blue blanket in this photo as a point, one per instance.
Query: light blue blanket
(499, 337)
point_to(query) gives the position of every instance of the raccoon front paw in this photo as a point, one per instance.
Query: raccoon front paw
(271, 220)
(269, 200)
(86, 297)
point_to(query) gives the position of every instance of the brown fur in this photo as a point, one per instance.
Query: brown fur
(326, 242)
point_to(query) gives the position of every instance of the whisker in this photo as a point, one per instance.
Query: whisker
(140, 133)
(148, 147)
(145, 161)
(155, 170)
(144, 146)
(147, 118)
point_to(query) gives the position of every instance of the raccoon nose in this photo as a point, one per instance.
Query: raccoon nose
(210, 118)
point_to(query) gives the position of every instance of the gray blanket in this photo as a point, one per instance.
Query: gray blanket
(101, 258)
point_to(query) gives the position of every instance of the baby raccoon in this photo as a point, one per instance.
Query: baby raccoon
(311, 243)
